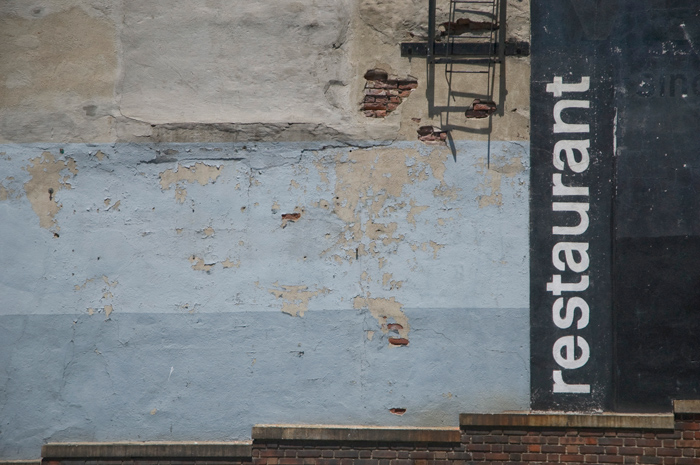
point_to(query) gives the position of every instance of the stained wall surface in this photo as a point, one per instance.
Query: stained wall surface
(201, 230)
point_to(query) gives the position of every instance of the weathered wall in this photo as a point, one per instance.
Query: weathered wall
(201, 230)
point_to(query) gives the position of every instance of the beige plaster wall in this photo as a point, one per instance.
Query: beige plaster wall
(212, 70)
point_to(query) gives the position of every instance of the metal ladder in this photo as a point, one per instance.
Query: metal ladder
(469, 44)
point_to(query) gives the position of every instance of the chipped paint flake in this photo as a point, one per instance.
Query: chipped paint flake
(45, 183)
(208, 231)
(229, 264)
(295, 299)
(198, 173)
(199, 265)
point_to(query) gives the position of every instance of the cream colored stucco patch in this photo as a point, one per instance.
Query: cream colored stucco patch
(47, 179)
(198, 173)
(295, 299)
(385, 311)
(57, 76)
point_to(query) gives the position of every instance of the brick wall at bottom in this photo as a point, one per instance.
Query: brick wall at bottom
(478, 445)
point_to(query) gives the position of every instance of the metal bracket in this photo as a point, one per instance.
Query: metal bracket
(420, 49)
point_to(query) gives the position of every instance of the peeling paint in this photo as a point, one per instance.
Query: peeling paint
(385, 311)
(295, 299)
(199, 265)
(208, 231)
(45, 183)
(198, 173)
(493, 175)
(415, 210)
(229, 264)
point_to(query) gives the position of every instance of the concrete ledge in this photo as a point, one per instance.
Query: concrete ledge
(570, 420)
(89, 450)
(686, 406)
(20, 462)
(354, 433)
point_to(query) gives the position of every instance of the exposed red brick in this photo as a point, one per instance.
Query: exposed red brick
(407, 85)
(397, 411)
(374, 106)
(571, 458)
(610, 459)
(631, 451)
(398, 341)
(481, 109)
(665, 451)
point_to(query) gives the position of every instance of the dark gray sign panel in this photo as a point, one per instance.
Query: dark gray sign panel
(615, 204)
(572, 155)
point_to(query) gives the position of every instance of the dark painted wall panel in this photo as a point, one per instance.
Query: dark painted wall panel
(643, 60)
(657, 220)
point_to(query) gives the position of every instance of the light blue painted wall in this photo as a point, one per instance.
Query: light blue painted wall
(193, 354)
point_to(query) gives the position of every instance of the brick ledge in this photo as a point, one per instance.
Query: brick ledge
(570, 420)
(198, 449)
(355, 433)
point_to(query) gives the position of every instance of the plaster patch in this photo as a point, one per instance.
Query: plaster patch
(45, 183)
(53, 67)
(385, 311)
(199, 172)
(295, 299)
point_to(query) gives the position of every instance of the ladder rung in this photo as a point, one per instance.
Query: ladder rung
(455, 37)
(466, 61)
(465, 72)
(491, 2)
